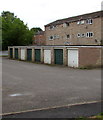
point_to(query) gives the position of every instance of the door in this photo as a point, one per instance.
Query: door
(47, 56)
(22, 54)
(58, 56)
(37, 55)
(11, 52)
(73, 58)
(16, 53)
(29, 54)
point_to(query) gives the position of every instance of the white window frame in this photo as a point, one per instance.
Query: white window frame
(88, 34)
(79, 22)
(82, 21)
(89, 21)
(78, 35)
(65, 24)
(50, 37)
(83, 35)
(51, 27)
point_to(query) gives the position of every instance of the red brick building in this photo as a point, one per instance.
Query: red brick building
(39, 38)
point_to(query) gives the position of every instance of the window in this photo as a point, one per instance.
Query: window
(83, 35)
(78, 22)
(66, 24)
(82, 22)
(51, 27)
(54, 36)
(78, 35)
(57, 36)
(89, 21)
(51, 37)
(89, 34)
(68, 36)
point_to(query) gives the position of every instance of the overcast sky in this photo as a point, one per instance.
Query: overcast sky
(37, 13)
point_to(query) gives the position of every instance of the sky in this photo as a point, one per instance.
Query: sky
(37, 13)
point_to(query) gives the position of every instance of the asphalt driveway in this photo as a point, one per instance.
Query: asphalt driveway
(29, 86)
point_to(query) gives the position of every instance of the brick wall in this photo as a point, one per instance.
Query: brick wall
(73, 29)
(39, 39)
(89, 57)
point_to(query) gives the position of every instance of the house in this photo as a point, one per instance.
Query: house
(39, 38)
(78, 30)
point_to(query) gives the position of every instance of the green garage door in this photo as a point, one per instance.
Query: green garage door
(16, 53)
(29, 54)
(11, 52)
(58, 56)
(37, 55)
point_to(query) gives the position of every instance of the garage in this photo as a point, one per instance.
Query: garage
(37, 55)
(11, 52)
(22, 54)
(29, 54)
(58, 56)
(47, 56)
(73, 57)
(16, 53)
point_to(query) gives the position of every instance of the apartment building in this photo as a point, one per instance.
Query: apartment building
(78, 30)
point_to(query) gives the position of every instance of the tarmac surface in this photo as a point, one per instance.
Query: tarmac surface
(28, 86)
(76, 111)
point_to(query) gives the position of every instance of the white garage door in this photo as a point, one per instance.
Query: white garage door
(22, 54)
(73, 58)
(47, 56)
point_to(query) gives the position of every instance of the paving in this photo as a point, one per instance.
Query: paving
(76, 111)
(28, 86)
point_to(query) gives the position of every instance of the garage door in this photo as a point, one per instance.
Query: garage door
(47, 56)
(29, 54)
(16, 53)
(11, 52)
(58, 55)
(73, 58)
(37, 55)
(22, 54)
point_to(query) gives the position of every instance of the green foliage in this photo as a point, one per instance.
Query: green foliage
(14, 31)
(36, 30)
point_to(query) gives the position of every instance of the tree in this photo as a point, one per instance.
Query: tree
(36, 30)
(14, 31)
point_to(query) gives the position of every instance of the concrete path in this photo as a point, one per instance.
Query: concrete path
(28, 86)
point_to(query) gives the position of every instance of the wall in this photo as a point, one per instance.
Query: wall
(88, 55)
(39, 39)
(73, 29)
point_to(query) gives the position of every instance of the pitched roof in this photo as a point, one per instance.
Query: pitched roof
(76, 18)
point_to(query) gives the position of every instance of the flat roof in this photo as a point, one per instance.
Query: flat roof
(57, 46)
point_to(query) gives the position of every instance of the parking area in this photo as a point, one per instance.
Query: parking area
(29, 86)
